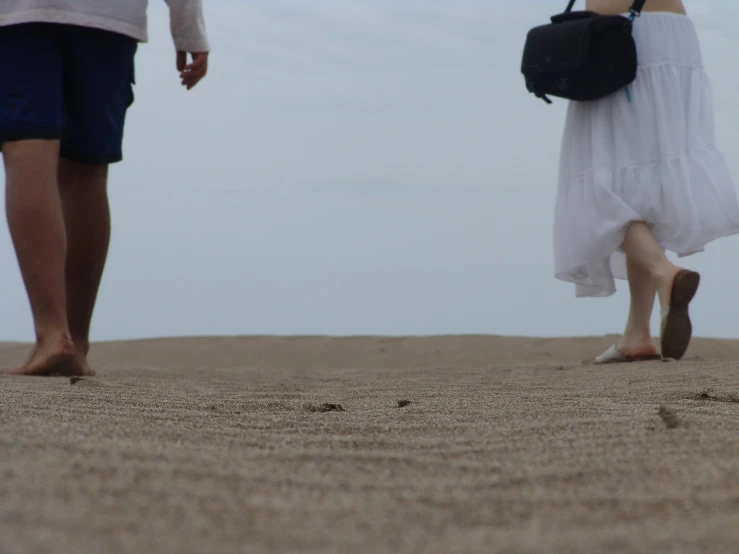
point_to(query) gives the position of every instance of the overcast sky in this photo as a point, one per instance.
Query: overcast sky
(359, 167)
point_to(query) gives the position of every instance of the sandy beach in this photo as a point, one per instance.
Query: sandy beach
(282, 445)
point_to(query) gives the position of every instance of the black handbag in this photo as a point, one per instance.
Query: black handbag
(581, 55)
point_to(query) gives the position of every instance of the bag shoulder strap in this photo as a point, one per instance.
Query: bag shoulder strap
(635, 8)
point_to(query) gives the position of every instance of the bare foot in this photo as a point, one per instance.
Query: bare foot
(636, 350)
(628, 351)
(636, 343)
(59, 358)
(82, 348)
(83, 363)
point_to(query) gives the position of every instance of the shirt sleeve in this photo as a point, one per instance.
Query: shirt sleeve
(187, 24)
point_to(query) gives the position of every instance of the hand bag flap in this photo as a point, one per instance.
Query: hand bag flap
(556, 45)
(565, 44)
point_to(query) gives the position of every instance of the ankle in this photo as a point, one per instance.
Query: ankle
(663, 283)
(663, 273)
(82, 346)
(55, 337)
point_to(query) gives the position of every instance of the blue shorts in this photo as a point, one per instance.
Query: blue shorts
(69, 83)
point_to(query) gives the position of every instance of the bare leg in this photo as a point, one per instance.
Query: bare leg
(675, 287)
(645, 253)
(636, 340)
(36, 226)
(84, 197)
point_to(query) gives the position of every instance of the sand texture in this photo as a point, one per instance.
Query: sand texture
(267, 445)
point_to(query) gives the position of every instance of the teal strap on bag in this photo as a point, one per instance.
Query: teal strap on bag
(633, 15)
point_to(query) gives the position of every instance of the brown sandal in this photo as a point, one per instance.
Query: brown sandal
(676, 329)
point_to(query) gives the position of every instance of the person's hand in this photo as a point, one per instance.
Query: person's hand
(193, 72)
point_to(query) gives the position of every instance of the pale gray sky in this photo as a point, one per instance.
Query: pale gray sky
(373, 166)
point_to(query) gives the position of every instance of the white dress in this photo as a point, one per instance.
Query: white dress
(653, 159)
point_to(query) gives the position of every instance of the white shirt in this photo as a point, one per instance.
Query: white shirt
(127, 17)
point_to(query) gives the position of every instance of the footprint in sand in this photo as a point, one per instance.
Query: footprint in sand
(84, 382)
(324, 408)
(669, 417)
